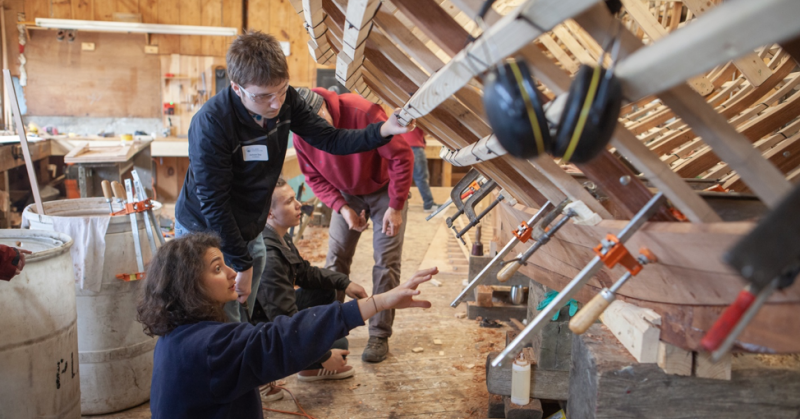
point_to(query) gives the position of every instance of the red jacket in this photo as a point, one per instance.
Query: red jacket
(415, 138)
(361, 173)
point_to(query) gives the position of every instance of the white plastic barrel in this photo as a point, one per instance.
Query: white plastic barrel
(38, 331)
(116, 357)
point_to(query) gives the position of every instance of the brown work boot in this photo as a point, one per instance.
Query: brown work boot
(376, 349)
(324, 374)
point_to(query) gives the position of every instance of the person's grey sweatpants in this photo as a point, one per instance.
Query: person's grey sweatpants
(387, 251)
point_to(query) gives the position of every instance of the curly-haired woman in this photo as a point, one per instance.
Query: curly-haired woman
(206, 368)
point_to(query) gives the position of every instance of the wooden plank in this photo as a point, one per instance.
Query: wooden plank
(731, 146)
(104, 10)
(728, 31)
(429, 17)
(211, 15)
(704, 367)
(655, 31)
(169, 12)
(785, 156)
(506, 37)
(636, 328)
(751, 65)
(124, 79)
(606, 382)
(191, 14)
(559, 54)
(148, 10)
(37, 8)
(606, 170)
(674, 360)
(406, 40)
(127, 6)
(61, 9)
(82, 9)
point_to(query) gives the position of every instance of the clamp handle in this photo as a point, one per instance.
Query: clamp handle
(106, 189)
(727, 321)
(119, 191)
(589, 313)
(508, 271)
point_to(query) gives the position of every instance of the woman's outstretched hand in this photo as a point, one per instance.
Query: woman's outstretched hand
(400, 297)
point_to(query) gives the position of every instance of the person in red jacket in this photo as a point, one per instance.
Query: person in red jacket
(368, 185)
(416, 139)
(12, 260)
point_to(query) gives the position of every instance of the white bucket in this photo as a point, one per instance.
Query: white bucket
(38, 331)
(116, 357)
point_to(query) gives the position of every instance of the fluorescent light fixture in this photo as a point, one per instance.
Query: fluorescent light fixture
(133, 27)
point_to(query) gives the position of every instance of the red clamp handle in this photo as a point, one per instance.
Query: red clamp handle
(131, 277)
(727, 321)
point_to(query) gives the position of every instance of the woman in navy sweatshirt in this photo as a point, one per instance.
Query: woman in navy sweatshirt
(205, 368)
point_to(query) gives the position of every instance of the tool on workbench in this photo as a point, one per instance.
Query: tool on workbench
(108, 194)
(541, 234)
(769, 259)
(473, 201)
(606, 247)
(150, 221)
(597, 305)
(521, 234)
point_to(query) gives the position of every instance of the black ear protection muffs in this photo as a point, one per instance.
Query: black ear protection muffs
(514, 108)
(590, 115)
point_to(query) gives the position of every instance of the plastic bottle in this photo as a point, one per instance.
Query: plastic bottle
(521, 381)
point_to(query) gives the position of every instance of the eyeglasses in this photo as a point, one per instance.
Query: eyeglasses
(265, 98)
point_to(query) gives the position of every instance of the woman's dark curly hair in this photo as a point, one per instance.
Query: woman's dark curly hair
(173, 293)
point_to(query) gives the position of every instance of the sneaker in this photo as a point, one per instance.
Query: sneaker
(269, 393)
(376, 349)
(433, 208)
(323, 374)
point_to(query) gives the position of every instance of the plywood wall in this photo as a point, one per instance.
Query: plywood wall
(178, 12)
(118, 79)
(277, 17)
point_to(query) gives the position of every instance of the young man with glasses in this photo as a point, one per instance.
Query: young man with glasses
(237, 144)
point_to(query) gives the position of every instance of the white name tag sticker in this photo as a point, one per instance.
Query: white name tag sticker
(255, 153)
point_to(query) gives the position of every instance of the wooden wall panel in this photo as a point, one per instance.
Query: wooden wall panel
(116, 80)
(176, 12)
(190, 11)
(81, 9)
(168, 13)
(278, 18)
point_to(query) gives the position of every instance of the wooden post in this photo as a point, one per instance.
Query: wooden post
(23, 141)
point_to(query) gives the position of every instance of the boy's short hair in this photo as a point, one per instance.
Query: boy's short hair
(256, 59)
(281, 182)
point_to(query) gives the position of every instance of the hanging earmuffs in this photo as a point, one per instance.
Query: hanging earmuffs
(515, 110)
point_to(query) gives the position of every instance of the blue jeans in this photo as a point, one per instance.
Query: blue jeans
(421, 177)
(233, 310)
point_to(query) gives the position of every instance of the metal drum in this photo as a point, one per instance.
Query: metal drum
(38, 331)
(116, 357)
